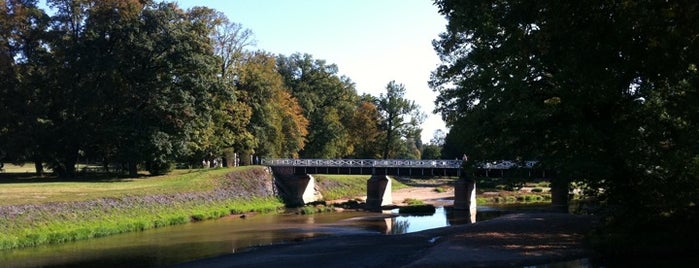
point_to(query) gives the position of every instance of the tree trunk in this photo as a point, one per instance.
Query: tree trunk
(133, 169)
(38, 166)
(70, 168)
(559, 195)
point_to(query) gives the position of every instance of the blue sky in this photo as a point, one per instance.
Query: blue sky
(371, 41)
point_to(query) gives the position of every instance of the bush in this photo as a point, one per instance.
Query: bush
(160, 167)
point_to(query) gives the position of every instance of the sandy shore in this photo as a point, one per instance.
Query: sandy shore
(512, 240)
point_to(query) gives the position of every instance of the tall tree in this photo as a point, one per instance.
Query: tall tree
(22, 33)
(227, 133)
(400, 120)
(592, 94)
(328, 101)
(278, 126)
(136, 78)
(364, 129)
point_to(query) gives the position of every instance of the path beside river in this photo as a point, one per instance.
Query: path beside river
(512, 240)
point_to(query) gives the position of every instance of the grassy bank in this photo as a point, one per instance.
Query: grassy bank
(40, 211)
(334, 187)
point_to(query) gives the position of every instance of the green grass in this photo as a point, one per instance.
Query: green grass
(347, 186)
(440, 189)
(413, 202)
(18, 190)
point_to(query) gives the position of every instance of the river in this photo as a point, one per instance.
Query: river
(182, 243)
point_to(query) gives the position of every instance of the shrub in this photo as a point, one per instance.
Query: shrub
(160, 167)
(413, 202)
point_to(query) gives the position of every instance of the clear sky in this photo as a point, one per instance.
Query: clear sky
(371, 41)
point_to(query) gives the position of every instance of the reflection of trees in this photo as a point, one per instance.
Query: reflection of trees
(400, 227)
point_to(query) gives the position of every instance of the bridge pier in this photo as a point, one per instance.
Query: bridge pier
(465, 196)
(378, 192)
(300, 190)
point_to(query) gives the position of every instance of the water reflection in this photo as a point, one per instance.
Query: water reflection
(415, 223)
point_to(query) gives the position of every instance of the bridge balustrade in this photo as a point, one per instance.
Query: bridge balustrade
(391, 163)
(363, 163)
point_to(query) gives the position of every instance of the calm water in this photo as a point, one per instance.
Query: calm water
(176, 244)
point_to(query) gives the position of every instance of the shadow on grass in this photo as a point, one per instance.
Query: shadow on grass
(7, 178)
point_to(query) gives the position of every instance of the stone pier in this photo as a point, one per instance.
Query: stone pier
(465, 196)
(301, 189)
(378, 189)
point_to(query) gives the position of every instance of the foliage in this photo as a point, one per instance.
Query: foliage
(277, 123)
(400, 121)
(599, 92)
(120, 81)
(330, 103)
(364, 129)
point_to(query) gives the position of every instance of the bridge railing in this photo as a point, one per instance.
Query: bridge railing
(394, 163)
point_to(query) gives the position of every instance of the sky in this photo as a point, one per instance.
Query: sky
(371, 41)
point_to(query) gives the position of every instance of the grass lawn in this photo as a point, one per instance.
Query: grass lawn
(17, 189)
(347, 186)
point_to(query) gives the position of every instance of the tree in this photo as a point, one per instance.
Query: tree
(328, 101)
(22, 31)
(400, 119)
(592, 94)
(278, 126)
(433, 150)
(364, 129)
(126, 81)
(228, 131)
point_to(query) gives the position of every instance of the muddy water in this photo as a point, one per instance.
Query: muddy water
(176, 244)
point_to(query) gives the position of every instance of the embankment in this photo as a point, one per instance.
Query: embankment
(237, 191)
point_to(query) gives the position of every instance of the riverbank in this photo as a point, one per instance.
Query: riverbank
(54, 211)
(513, 240)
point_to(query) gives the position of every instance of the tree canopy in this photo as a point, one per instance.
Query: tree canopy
(142, 85)
(598, 91)
(401, 119)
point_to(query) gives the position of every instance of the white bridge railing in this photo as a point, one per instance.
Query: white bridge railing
(392, 163)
